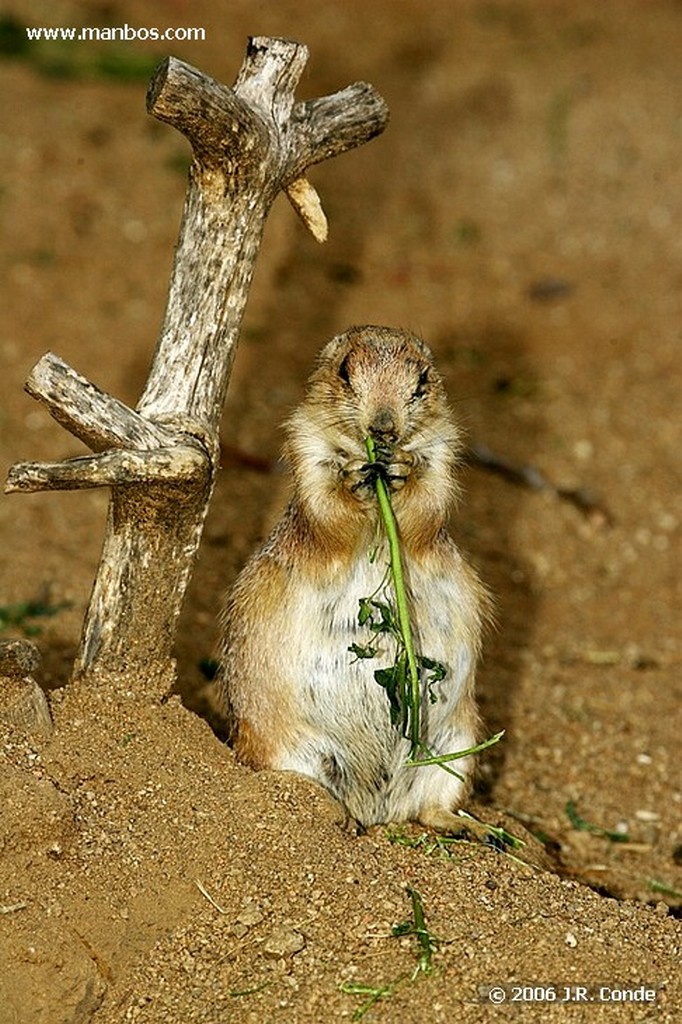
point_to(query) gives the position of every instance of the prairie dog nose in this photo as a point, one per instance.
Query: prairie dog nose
(383, 426)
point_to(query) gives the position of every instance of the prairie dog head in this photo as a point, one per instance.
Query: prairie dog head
(381, 382)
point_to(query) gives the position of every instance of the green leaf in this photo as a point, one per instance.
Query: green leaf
(387, 623)
(363, 651)
(666, 890)
(19, 614)
(365, 613)
(405, 928)
(393, 681)
(436, 669)
(442, 759)
(435, 673)
(386, 677)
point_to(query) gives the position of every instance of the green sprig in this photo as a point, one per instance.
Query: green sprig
(401, 680)
(391, 527)
(442, 759)
(427, 945)
(581, 825)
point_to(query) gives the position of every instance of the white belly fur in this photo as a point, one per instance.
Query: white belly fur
(347, 741)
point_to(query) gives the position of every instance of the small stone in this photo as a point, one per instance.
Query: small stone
(250, 915)
(649, 816)
(583, 450)
(571, 940)
(18, 658)
(283, 942)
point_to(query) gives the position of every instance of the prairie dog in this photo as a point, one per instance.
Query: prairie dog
(297, 697)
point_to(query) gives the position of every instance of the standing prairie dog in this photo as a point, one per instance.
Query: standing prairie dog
(297, 697)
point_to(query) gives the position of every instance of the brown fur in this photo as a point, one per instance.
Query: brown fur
(368, 381)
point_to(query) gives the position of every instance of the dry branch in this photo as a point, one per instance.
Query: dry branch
(248, 143)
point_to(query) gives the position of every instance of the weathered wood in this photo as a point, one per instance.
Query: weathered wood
(152, 531)
(248, 144)
(179, 464)
(98, 419)
(306, 202)
(246, 150)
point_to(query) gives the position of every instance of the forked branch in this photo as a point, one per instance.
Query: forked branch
(248, 144)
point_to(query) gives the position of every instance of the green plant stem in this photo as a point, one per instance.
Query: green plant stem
(443, 758)
(424, 937)
(391, 527)
(351, 988)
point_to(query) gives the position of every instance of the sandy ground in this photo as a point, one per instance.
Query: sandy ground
(522, 214)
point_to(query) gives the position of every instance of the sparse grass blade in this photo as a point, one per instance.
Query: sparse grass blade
(444, 758)
(427, 946)
(581, 825)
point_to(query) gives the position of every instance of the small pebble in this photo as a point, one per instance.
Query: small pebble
(283, 942)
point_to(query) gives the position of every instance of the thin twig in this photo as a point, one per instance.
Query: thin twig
(11, 908)
(204, 892)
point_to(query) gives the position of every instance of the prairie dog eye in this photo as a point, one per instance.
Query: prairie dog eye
(343, 370)
(422, 383)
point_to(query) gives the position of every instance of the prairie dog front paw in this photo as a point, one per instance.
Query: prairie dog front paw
(397, 464)
(393, 466)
